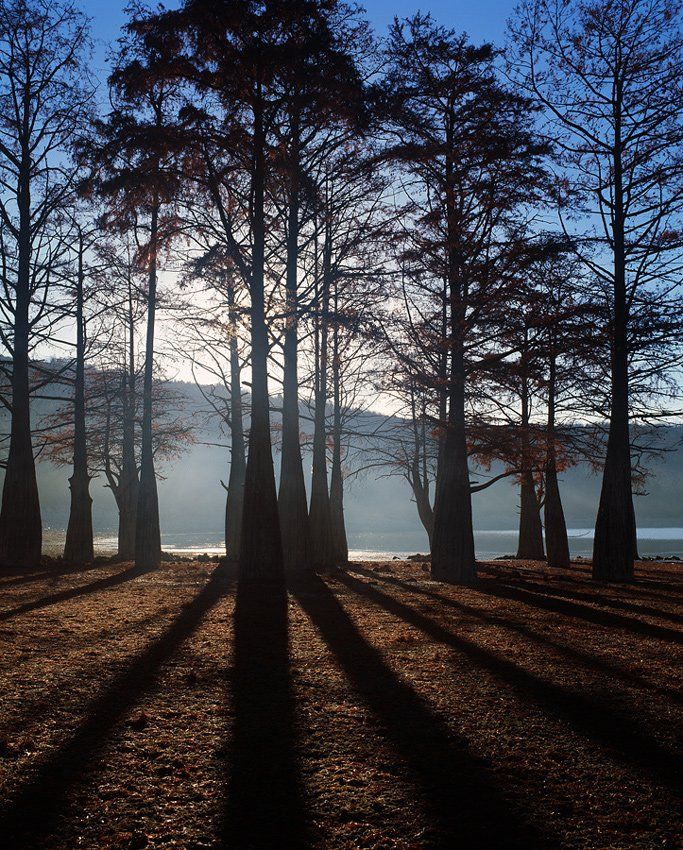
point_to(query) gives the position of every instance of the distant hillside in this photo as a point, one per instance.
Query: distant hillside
(379, 512)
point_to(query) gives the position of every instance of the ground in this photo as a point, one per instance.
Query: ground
(372, 708)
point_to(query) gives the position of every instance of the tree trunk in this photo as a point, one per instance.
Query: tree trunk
(613, 551)
(294, 522)
(261, 543)
(128, 480)
(147, 530)
(418, 477)
(322, 545)
(78, 548)
(453, 537)
(443, 386)
(424, 509)
(636, 555)
(530, 544)
(556, 540)
(453, 557)
(235, 499)
(20, 522)
(340, 546)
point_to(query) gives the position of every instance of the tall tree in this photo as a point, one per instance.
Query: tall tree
(122, 276)
(78, 548)
(466, 142)
(608, 74)
(44, 105)
(320, 512)
(210, 338)
(137, 164)
(316, 117)
(231, 56)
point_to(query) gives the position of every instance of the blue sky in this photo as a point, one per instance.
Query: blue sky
(482, 19)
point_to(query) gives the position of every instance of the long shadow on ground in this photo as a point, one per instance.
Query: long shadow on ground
(75, 592)
(617, 735)
(585, 659)
(465, 807)
(29, 817)
(596, 598)
(641, 587)
(577, 610)
(265, 808)
(12, 579)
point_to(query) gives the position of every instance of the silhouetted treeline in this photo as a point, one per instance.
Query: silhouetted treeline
(483, 243)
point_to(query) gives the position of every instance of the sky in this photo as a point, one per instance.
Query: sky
(483, 20)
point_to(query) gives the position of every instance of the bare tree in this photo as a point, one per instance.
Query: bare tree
(44, 103)
(135, 160)
(465, 143)
(608, 73)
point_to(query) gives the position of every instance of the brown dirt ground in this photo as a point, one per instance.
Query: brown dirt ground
(372, 708)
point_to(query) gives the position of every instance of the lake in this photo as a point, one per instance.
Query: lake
(489, 544)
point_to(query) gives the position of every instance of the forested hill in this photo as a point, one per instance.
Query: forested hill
(379, 511)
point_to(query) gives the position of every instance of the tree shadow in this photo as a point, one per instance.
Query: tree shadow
(577, 610)
(30, 816)
(465, 806)
(615, 734)
(75, 592)
(631, 607)
(640, 587)
(46, 574)
(265, 807)
(593, 662)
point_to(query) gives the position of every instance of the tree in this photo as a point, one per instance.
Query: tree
(107, 391)
(78, 548)
(566, 349)
(230, 56)
(316, 117)
(201, 340)
(136, 163)
(466, 143)
(45, 98)
(608, 74)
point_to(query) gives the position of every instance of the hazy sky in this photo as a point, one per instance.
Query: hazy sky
(482, 19)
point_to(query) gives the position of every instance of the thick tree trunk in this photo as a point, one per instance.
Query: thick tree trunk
(340, 546)
(453, 558)
(261, 542)
(235, 499)
(147, 530)
(322, 544)
(614, 530)
(128, 481)
(556, 540)
(294, 522)
(78, 548)
(424, 509)
(418, 477)
(20, 521)
(613, 551)
(530, 544)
